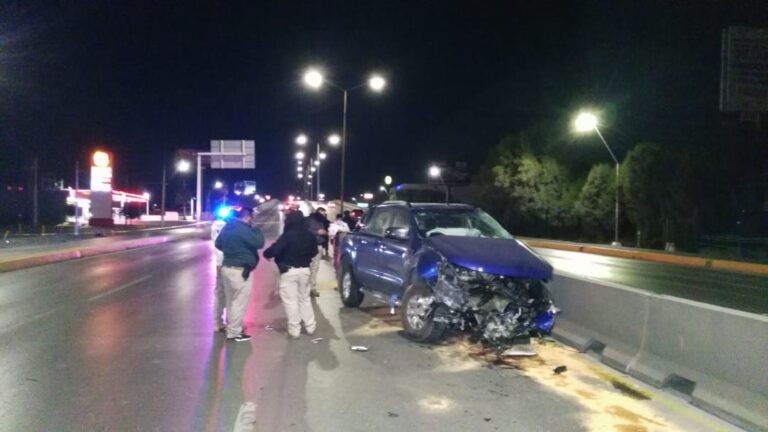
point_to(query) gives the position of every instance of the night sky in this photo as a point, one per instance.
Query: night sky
(145, 78)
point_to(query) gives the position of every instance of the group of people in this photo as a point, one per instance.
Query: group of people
(297, 253)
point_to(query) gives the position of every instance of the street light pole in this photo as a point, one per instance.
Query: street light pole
(318, 170)
(343, 152)
(162, 201)
(77, 203)
(616, 212)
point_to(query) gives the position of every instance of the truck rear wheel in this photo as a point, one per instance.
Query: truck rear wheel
(349, 289)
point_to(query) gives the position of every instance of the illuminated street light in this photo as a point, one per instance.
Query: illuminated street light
(382, 189)
(313, 78)
(301, 139)
(146, 196)
(317, 163)
(388, 180)
(376, 83)
(322, 155)
(299, 168)
(313, 169)
(299, 155)
(587, 122)
(300, 175)
(334, 140)
(434, 171)
(218, 185)
(183, 166)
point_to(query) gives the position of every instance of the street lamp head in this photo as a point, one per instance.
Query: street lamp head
(382, 188)
(218, 185)
(585, 122)
(313, 79)
(300, 175)
(313, 169)
(299, 168)
(388, 180)
(317, 163)
(299, 155)
(322, 155)
(146, 195)
(301, 139)
(377, 83)
(334, 140)
(183, 166)
(434, 171)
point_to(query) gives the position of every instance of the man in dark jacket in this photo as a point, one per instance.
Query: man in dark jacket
(240, 243)
(293, 251)
(317, 223)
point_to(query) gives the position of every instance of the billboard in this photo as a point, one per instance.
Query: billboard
(744, 77)
(244, 158)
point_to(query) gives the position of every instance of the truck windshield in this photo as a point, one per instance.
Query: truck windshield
(458, 222)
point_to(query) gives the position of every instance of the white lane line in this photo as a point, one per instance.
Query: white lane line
(29, 320)
(120, 288)
(246, 418)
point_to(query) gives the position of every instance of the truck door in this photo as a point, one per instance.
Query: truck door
(393, 253)
(367, 268)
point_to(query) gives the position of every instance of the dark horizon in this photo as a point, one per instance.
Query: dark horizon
(145, 80)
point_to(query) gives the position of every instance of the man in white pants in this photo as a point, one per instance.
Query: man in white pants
(293, 252)
(240, 243)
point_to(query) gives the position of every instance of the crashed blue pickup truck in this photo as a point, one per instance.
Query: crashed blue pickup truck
(447, 266)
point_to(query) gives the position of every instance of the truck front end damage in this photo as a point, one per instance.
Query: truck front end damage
(496, 309)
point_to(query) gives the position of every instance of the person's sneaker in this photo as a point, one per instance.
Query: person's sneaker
(242, 337)
(314, 293)
(290, 336)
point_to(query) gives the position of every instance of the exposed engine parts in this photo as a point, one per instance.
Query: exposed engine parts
(496, 309)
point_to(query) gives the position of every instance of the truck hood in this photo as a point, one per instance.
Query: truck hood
(507, 257)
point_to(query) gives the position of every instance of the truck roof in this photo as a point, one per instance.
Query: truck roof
(425, 206)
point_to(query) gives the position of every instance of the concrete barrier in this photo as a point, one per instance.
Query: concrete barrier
(715, 356)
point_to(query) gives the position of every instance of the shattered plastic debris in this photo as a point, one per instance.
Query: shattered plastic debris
(391, 414)
(519, 351)
(560, 369)
(358, 348)
(316, 340)
(268, 327)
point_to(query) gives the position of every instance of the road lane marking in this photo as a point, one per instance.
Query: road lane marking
(118, 289)
(246, 418)
(29, 320)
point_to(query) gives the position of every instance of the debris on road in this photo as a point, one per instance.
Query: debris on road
(487, 419)
(358, 348)
(316, 340)
(560, 369)
(269, 327)
(519, 351)
(391, 414)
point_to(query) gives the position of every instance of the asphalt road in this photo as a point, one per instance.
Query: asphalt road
(746, 292)
(125, 342)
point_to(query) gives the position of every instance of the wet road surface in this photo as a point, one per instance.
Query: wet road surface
(125, 342)
(745, 292)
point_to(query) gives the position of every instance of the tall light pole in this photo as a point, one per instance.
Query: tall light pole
(314, 79)
(146, 197)
(434, 172)
(587, 122)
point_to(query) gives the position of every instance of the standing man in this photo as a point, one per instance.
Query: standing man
(219, 299)
(351, 222)
(293, 252)
(317, 224)
(240, 243)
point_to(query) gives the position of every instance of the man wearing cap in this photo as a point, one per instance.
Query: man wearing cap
(240, 242)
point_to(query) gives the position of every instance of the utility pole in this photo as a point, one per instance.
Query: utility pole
(162, 201)
(77, 203)
(35, 208)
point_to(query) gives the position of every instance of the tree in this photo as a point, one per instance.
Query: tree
(595, 206)
(544, 192)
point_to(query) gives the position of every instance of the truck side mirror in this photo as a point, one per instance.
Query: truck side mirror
(397, 233)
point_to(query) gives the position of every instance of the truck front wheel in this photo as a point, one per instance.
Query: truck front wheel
(417, 315)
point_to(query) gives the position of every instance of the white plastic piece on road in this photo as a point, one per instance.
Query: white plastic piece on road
(269, 327)
(246, 418)
(316, 340)
(519, 351)
(358, 348)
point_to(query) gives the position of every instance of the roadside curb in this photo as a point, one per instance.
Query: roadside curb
(665, 258)
(75, 253)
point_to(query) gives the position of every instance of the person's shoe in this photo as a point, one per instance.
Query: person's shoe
(290, 336)
(242, 337)
(314, 293)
